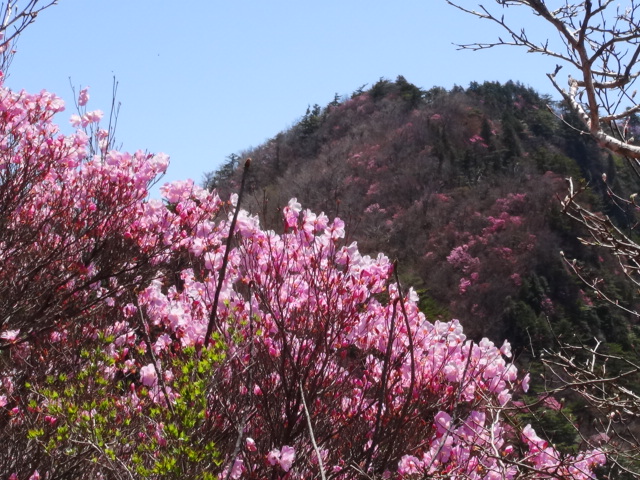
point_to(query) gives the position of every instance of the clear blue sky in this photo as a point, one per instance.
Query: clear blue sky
(200, 80)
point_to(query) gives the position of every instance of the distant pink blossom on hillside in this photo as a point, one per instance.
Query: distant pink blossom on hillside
(511, 201)
(373, 189)
(464, 284)
(374, 207)
(460, 258)
(479, 140)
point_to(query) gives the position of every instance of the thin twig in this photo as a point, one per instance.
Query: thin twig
(311, 435)
(223, 270)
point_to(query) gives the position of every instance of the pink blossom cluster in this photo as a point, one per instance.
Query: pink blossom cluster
(461, 259)
(320, 340)
(477, 139)
(503, 240)
(501, 222)
(512, 202)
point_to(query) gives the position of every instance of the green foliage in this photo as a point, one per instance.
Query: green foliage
(311, 120)
(359, 91)
(525, 327)
(380, 89)
(550, 161)
(223, 174)
(511, 130)
(409, 92)
(432, 309)
(92, 416)
(434, 94)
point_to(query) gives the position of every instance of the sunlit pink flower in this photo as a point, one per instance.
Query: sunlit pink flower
(273, 456)
(409, 465)
(284, 457)
(75, 120)
(83, 97)
(596, 457)
(443, 422)
(531, 437)
(287, 457)
(506, 349)
(148, 375)
(237, 469)
(10, 335)
(92, 117)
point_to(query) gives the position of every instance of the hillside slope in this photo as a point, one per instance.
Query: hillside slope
(462, 188)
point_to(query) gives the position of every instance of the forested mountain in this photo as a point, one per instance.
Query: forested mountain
(463, 188)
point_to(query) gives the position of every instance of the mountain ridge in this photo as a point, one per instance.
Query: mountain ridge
(461, 187)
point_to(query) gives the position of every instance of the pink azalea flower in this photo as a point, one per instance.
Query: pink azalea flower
(284, 457)
(273, 456)
(552, 403)
(83, 97)
(287, 457)
(237, 469)
(92, 117)
(10, 335)
(531, 437)
(443, 422)
(75, 120)
(409, 465)
(148, 375)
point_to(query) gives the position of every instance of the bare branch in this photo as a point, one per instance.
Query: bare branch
(602, 45)
(15, 19)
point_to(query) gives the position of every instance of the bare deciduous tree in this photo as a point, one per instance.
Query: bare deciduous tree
(601, 43)
(15, 16)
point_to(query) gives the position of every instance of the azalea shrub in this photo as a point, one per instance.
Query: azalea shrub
(320, 363)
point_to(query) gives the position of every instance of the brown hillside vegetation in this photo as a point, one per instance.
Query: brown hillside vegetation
(461, 186)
